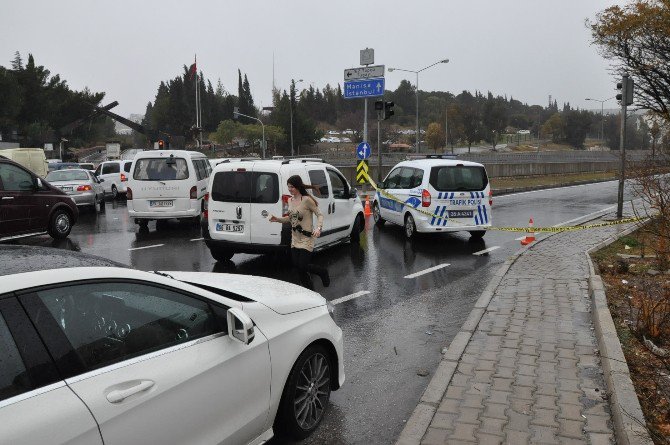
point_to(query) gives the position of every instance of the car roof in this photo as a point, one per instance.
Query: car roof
(436, 162)
(70, 170)
(20, 259)
(167, 153)
(277, 163)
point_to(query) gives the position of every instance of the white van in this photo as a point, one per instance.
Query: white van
(242, 194)
(437, 193)
(115, 175)
(31, 158)
(167, 184)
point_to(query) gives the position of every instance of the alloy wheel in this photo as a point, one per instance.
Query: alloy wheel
(312, 391)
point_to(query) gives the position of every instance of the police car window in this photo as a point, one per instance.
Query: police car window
(458, 178)
(406, 178)
(265, 188)
(13, 374)
(340, 189)
(393, 179)
(232, 187)
(317, 178)
(417, 178)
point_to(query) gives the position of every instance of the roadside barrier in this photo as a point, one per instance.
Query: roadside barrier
(532, 230)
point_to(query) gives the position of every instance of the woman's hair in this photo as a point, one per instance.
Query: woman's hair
(296, 181)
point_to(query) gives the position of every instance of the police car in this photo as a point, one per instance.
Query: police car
(436, 193)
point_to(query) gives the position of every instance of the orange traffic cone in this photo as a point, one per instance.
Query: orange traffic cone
(368, 211)
(530, 237)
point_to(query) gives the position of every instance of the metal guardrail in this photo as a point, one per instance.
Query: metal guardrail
(544, 157)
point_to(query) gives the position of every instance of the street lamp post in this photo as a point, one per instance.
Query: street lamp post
(602, 120)
(290, 105)
(418, 136)
(262, 126)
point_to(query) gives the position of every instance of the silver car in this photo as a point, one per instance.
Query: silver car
(82, 186)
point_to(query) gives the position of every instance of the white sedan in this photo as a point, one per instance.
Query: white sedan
(92, 355)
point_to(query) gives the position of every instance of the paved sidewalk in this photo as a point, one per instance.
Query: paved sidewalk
(531, 371)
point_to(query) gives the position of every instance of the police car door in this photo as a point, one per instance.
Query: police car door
(404, 193)
(324, 197)
(388, 208)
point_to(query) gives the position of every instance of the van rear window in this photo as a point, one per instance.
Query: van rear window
(246, 187)
(158, 169)
(458, 178)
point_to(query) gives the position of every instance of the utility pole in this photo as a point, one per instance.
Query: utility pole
(626, 97)
(446, 130)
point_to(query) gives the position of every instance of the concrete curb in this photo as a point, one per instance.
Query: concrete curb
(629, 421)
(419, 421)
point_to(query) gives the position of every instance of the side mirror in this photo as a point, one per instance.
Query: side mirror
(353, 192)
(240, 326)
(38, 183)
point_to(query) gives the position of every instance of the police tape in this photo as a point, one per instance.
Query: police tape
(505, 229)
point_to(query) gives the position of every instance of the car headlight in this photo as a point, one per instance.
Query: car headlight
(331, 309)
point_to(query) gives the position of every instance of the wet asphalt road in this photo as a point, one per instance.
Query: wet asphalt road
(394, 331)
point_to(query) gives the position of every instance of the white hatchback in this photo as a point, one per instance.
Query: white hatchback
(115, 175)
(123, 356)
(437, 193)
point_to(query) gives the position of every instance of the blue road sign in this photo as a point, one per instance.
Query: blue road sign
(354, 89)
(363, 150)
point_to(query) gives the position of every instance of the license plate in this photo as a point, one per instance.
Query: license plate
(66, 189)
(229, 227)
(460, 213)
(161, 203)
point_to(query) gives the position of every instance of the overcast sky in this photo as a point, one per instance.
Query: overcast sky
(528, 49)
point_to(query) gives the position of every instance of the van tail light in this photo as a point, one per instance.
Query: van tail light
(124, 178)
(425, 198)
(193, 194)
(284, 204)
(129, 194)
(490, 198)
(205, 206)
(84, 188)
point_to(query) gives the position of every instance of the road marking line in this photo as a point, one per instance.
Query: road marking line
(146, 247)
(425, 271)
(349, 297)
(584, 216)
(490, 249)
(520, 238)
(197, 239)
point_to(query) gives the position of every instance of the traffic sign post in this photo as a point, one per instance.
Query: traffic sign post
(362, 172)
(355, 89)
(363, 151)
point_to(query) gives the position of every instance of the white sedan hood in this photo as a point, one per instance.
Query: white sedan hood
(280, 296)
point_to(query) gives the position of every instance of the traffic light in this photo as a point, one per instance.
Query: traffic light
(626, 86)
(388, 110)
(161, 144)
(236, 112)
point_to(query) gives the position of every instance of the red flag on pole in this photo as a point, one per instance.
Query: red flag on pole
(192, 70)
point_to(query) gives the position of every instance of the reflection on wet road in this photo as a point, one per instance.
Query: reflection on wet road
(404, 300)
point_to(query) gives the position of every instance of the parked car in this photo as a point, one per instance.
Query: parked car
(242, 194)
(438, 193)
(30, 205)
(82, 186)
(167, 184)
(96, 355)
(115, 174)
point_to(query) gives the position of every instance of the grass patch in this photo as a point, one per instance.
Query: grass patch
(554, 180)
